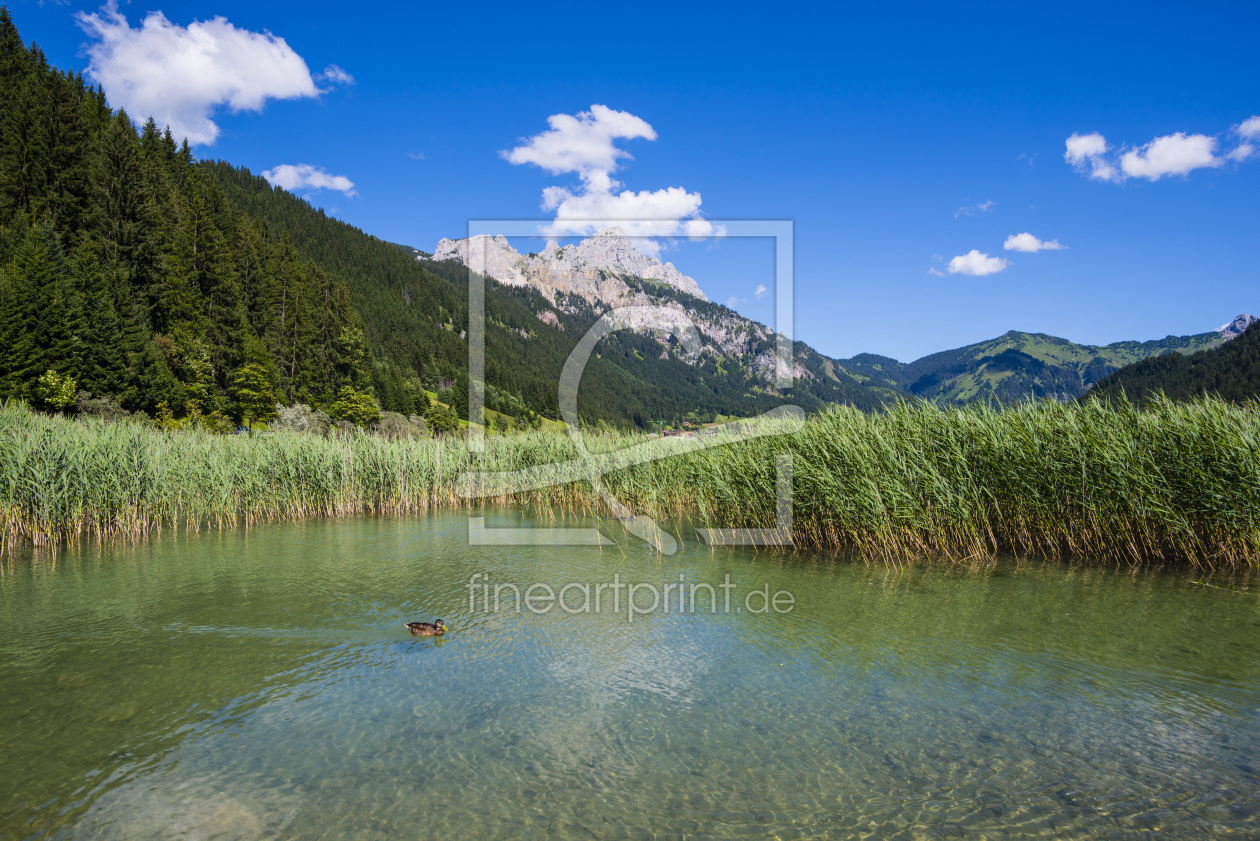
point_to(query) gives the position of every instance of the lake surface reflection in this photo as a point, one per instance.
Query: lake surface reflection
(259, 684)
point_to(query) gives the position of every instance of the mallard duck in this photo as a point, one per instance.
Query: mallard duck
(426, 629)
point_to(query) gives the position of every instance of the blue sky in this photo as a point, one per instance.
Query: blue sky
(871, 128)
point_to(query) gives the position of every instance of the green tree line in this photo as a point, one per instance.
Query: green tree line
(1230, 372)
(124, 268)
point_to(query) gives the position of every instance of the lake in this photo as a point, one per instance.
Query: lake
(258, 683)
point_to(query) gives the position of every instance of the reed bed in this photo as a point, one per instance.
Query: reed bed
(1094, 481)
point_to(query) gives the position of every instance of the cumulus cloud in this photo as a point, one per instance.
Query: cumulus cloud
(1081, 147)
(294, 177)
(759, 291)
(936, 272)
(585, 144)
(1028, 243)
(1085, 152)
(732, 301)
(1173, 154)
(972, 210)
(976, 264)
(179, 75)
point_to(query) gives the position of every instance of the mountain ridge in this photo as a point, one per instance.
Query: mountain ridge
(1230, 371)
(581, 269)
(1018, 365)
(1014, 366)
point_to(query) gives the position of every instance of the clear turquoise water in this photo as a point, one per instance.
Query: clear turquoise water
(258, 684)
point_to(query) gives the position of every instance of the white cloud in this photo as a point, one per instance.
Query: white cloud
(583, 143)
(1173, 154)
(935, 271)
(179, 75)
(416, 156)
(642, 214)
(977, 264)
(586, 144)
(697, 229)
(760, 290)
(1081, 147)
(732, 301)
(293, 177)
(972, 210)
(1241, 152)
(1249, 128)
(1028, 243)
(336, 76)
(1085, 152)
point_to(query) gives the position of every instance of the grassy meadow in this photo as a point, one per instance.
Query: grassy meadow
(1094, 481)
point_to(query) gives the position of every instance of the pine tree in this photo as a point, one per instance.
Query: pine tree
(69, 200)
(19, 355)
(103, 366)
(120, 190)
(24, 142)
(49, 320)
(150, 381)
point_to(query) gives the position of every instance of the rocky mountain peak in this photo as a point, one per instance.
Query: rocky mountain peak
(588, 268)
(1238, 326)
(602, 269)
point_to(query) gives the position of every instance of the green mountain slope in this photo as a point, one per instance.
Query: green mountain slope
(1231, 371)
(1013, 367)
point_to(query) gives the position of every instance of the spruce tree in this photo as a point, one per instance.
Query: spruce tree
(69, 200)
(103, 367)
(19, 355)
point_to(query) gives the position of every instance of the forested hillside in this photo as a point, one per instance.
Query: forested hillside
(125, 271)
(1231, 372)
(131, 271)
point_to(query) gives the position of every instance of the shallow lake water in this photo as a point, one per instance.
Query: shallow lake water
(258, 683)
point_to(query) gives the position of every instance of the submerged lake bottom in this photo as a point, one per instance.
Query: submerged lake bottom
(258, 684)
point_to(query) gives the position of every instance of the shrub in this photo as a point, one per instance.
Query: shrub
(356, 407)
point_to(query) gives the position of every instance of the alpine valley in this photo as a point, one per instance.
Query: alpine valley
(136, 278)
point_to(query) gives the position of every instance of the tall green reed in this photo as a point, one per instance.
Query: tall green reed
(1098, 481)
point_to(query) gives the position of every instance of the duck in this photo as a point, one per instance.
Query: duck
(426, 629)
